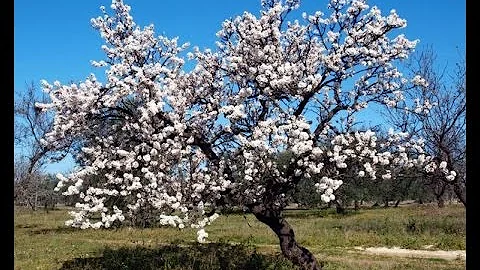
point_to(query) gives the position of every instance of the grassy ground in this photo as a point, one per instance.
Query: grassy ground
(43, 242)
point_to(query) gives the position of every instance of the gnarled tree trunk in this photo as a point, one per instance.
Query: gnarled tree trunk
(290, 248)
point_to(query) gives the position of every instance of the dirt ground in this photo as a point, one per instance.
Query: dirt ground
(395, 251)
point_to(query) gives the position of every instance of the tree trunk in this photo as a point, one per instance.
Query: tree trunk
(339, 207)
(460, 194)
(36, 200)
(439, 191)
(397, 203)
(297, 254)
(440, 201)
(356, 205)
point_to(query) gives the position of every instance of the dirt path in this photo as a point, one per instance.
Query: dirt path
(402, 252)
(395, 251)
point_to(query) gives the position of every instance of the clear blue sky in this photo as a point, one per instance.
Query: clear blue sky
(54, 40)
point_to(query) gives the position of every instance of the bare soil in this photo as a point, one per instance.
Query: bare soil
(396, 251)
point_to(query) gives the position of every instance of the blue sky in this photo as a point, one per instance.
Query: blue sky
(54, 40)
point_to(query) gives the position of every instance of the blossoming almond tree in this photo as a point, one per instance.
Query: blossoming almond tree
(443, 128)
(163, 137)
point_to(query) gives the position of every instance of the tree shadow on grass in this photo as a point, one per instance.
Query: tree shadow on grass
(26, 226)
(57, 230)
(317, 213)
(182, 257)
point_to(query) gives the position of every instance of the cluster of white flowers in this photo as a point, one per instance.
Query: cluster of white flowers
(233, 112)
(327, 186)
(201, 235)
(442, 167)
(418, 80)
(423, 108)
(431, 167)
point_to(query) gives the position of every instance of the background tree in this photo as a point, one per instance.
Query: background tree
(271, 86)
(31, 186)
(31, 126)
(33, 189)
(443, 128)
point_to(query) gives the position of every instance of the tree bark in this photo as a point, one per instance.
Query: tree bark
(339, 207)
(357, 205)
(460, 194)
(397, 203)
(294, 252)
(440, 201)
(36, 199)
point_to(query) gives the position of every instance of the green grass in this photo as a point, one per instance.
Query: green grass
(241, 242)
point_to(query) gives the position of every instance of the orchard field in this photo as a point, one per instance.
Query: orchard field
(238, 241)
